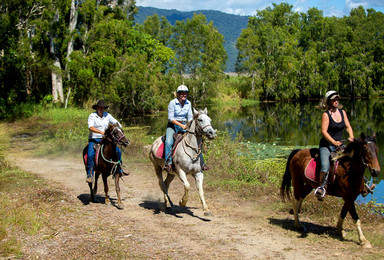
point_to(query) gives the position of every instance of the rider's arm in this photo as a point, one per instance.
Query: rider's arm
(175, 122)
(93, 129)
(348, 127)
(324, 130)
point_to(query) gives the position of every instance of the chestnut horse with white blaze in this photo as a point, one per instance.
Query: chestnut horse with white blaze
(348, 183)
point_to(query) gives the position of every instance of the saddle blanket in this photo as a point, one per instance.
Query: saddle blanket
(160, 154)
(311, 173)
(97, 152)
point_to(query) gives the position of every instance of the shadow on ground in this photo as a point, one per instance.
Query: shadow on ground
(177, 211)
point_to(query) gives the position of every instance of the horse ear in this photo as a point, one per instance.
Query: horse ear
(205, 111)
(362, 136)
(195, 112)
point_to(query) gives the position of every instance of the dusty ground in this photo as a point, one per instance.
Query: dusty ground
(237, 229)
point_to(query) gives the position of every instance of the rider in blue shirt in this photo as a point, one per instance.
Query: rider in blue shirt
(179, 114)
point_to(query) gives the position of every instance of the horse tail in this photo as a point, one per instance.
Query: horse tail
(285, 188)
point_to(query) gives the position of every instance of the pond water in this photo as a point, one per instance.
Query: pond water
(289, 124)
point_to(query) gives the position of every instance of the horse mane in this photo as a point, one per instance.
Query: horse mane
(349, 151)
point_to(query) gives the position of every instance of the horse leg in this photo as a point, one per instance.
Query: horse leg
(97, 174)
(296, 210)
(117, 186)
(340, 222)
(199, 177)
(183, 178)
(106, 189)
(163, 186)
(352, 210)
(92, 197)
(166, 184)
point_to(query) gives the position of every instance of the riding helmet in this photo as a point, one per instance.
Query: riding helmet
(331, 95)
(182, 88)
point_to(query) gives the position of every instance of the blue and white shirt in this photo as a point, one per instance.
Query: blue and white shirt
(100, 123)
(178, 112)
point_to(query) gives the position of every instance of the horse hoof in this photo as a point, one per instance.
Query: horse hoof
(207, 214)
(182, 204)
(120, 206)
(366, 245)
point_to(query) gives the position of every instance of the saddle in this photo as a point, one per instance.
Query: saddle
(97, 148)
(160, 152)
(312, 170)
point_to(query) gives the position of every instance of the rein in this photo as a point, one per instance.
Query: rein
(197, 150)
(115, 164)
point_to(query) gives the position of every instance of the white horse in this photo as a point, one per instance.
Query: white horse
(187, 159)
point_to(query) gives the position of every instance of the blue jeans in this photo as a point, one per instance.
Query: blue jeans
(171, 129)
(325, 154)
(91, 156)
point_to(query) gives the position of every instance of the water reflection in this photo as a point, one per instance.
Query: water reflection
(292, 124)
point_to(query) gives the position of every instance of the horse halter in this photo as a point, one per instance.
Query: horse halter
(117, 140)
(202, 127)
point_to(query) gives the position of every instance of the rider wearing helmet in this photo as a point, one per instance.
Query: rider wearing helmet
(333, 122)
(179, 114)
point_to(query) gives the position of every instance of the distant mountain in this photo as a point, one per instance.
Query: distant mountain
(229, 26)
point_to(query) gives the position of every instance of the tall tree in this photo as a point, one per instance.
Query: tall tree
(200, 53)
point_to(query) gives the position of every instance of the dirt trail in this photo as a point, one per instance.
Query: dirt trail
(237, 229)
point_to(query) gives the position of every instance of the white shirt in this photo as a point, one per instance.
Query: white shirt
(178, 112)
(100, 123)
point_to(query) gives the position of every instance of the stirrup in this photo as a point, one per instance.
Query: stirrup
(324, 192)
(370, 186)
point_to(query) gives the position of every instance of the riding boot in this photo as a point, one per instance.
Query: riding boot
(320, 191)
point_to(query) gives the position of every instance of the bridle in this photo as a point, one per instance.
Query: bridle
(115, 139)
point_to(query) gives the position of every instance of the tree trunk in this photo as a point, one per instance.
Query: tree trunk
(72, 25)
(57, 81)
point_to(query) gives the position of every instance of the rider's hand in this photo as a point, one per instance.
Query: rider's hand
(351, 139)
(184, 127)
(337, 143)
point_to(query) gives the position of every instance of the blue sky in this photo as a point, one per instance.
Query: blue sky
(337, 8)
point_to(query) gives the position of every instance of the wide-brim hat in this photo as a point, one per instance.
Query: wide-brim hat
(100, 103)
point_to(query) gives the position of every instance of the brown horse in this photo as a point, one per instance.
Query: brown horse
(348, 184)
(107, 163)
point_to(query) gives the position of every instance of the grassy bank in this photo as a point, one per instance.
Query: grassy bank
(239, 168)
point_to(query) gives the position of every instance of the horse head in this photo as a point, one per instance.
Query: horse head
(116, 134)
(369, 153)
(203, 123)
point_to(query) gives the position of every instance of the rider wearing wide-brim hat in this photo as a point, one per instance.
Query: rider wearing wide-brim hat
(98, 122)
(333, 123)
(179, 114)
